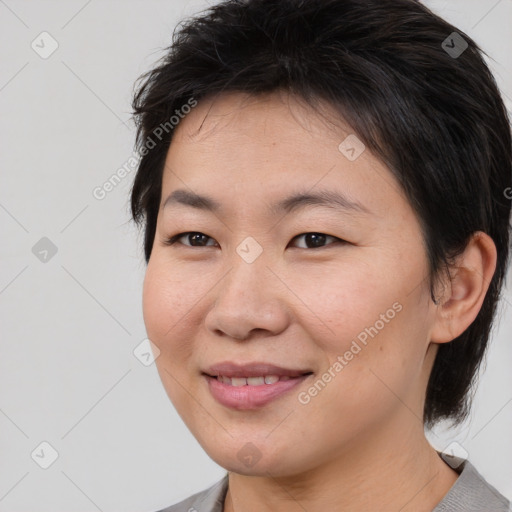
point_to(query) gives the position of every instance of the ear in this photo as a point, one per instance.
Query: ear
(465, 292)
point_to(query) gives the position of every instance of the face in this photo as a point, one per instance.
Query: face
(334, 291)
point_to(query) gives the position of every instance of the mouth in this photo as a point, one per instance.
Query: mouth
(253, 381)
(252, 370)
(253, 385)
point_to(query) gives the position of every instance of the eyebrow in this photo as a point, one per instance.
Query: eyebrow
(326, 198)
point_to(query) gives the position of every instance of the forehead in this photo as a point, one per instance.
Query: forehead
(266, 117)
(265, 145)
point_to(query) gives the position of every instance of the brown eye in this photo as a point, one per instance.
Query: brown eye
(316, 240)
(194, 239)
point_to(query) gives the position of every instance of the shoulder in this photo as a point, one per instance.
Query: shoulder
(472, 493)
(209, 500)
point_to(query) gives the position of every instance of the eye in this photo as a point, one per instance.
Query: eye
(316, 240)
(312, 240)
(193, 237)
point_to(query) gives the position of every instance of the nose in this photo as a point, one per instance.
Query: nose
(249, 299)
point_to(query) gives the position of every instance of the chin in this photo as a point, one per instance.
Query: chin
(249, 460)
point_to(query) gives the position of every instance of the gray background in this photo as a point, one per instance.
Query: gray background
(71, 320)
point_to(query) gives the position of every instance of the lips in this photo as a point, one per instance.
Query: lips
(252, 381)
(248, 397)
(247, 370)
(251, 385)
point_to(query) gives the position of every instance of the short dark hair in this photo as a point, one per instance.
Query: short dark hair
(434, 117)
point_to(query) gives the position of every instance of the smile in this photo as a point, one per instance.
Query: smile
(251, 381)
(252, 392)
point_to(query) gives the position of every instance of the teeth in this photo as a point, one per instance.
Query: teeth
(255, 381)
(238, 381)
(250, 381)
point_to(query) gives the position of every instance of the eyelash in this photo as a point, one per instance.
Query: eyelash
(174, 239)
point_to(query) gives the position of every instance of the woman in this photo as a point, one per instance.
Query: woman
(324, 187)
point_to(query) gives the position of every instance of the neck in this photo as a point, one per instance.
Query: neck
(396, 470)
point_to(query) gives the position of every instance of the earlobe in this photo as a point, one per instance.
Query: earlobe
(466, 290)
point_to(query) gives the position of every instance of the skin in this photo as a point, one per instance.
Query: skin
(359, 444)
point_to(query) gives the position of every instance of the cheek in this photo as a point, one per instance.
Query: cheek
(170, 301)
(169, 297)
(341, 299)
(155, 301)
(371, 331)
(381, 363)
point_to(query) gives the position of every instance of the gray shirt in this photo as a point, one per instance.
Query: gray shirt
(469, 493)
